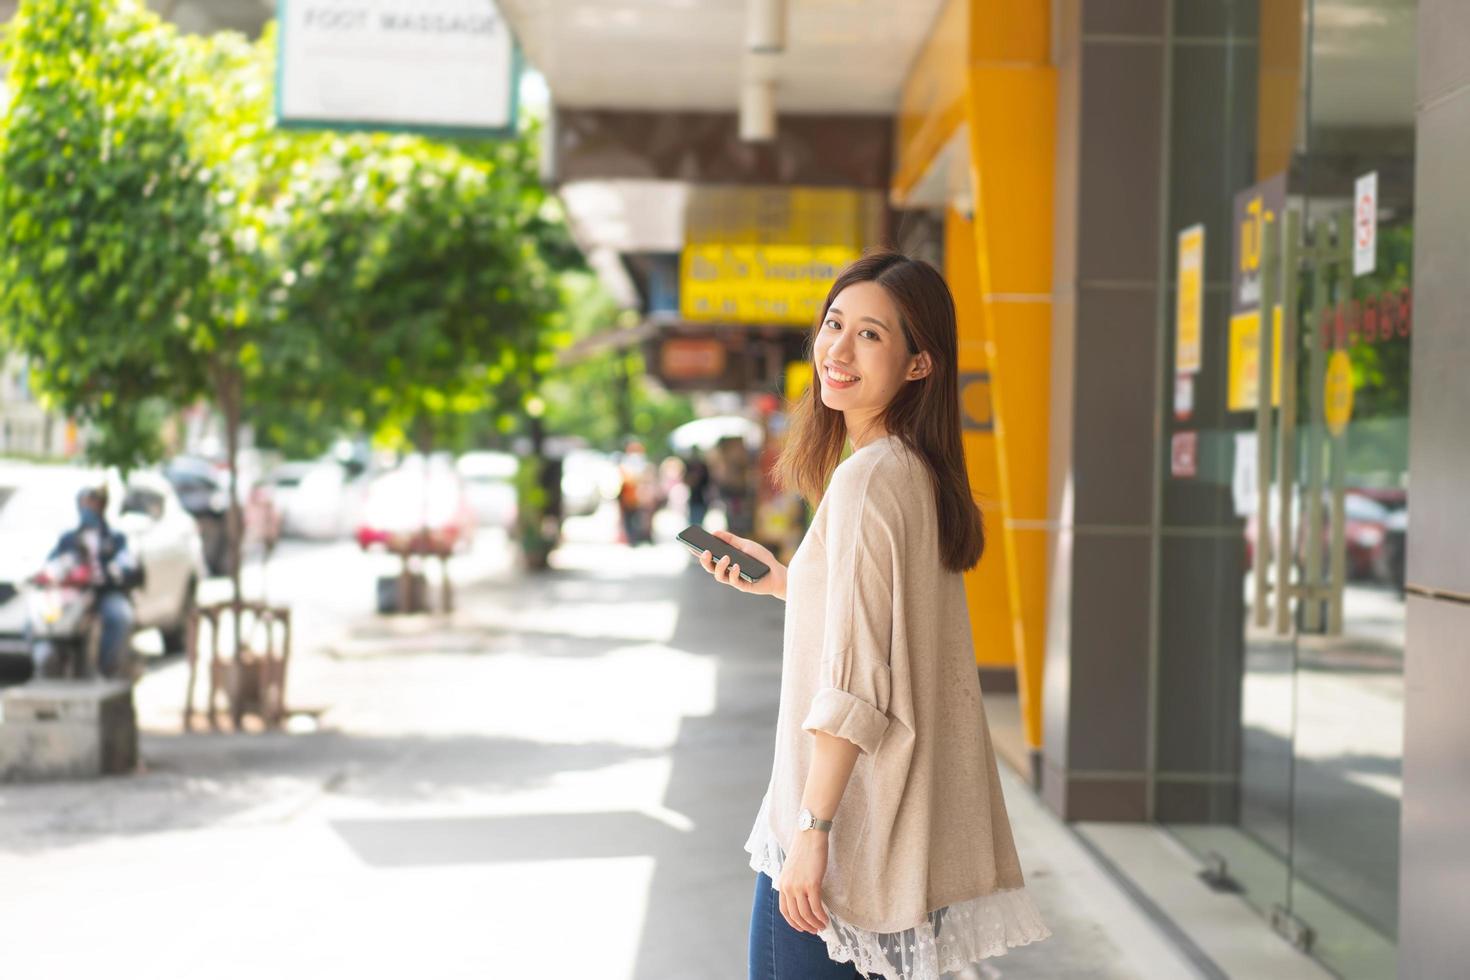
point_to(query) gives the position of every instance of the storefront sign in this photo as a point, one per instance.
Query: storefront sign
(1337, 402)
(1183, 396)
(1257, 214)
(1243, 486)
(1365, 224)
(691, 358)
(758, 283)
(1371, 320)
(1189, 300)
(1245, 365)
(430, 65)
(1184, 454)
(769, 254)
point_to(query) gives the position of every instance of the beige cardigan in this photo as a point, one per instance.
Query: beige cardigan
(877, 650)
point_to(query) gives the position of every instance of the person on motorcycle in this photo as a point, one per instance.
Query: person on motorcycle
(114, 571)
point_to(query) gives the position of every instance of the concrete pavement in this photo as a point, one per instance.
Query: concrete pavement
(556, 782)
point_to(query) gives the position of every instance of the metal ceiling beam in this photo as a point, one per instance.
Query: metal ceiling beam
(705, 147)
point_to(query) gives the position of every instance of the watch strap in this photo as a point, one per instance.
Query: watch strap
(806, 820)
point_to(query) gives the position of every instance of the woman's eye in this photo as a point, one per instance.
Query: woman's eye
(868, 333)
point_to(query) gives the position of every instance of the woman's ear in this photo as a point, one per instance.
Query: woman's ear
(920, 366)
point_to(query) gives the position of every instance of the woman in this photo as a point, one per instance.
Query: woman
(883, 838)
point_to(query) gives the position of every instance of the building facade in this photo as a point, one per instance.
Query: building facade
(1207, 257)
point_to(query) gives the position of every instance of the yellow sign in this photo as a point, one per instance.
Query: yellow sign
(798, 380)
(1245, 364)
(769, 254)
(1189, 300)
(758, 283)
(1337, 405)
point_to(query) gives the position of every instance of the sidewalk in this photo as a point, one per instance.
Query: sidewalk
(556, 783)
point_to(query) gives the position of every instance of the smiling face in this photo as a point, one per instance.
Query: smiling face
(861, 357)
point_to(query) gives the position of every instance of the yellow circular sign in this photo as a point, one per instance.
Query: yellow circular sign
(1337, 405)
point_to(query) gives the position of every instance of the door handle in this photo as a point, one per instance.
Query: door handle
(1286, 424)
(1261, 594)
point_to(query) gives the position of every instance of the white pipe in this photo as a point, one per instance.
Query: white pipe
(757, 109)
(765, 26)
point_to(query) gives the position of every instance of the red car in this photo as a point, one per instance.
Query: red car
(1365, 535)
(420, 507)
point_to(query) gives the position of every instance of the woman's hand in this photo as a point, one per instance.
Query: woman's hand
(800, 886)
(773, 583)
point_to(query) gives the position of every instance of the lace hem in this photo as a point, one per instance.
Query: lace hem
(951, 938)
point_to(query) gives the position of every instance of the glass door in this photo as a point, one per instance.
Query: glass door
(1323, 699)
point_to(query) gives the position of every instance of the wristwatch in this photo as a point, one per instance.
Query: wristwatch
(805, 821)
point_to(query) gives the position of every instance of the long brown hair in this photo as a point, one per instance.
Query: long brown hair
(924, 415)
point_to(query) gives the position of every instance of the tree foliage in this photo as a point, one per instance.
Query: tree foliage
(107, 215)
(413, 271)
(164, 241)
(606, 397)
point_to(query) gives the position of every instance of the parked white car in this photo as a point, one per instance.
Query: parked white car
(38, 504)
(316, 499)
(588, 478)
(490, 480)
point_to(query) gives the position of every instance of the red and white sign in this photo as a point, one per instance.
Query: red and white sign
(1365, 224)
(1183, 396)
(1184, 454)
(691, 358)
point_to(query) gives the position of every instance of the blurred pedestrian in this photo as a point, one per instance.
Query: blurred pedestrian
(635, 494)
(733, 479)
(880, 663)
(670, 492)
(549, 478)
(697, 479)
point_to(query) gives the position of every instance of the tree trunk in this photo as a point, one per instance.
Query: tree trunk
(230, 384)
(423, 433)
(624, 394)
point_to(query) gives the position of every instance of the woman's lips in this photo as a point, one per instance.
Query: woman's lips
(834, 383)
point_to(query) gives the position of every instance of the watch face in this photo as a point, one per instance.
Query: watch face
(804, 820)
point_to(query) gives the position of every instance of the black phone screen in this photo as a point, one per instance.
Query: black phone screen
(698, 540)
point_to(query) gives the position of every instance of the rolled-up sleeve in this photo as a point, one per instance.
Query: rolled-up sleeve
(855, 675)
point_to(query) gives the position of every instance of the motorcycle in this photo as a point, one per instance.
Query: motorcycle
(65, 630)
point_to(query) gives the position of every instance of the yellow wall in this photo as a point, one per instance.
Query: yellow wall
(1009, 105)
(986, 585)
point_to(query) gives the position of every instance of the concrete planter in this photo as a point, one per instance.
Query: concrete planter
(61, 729)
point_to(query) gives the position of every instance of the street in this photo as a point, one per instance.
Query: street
(554, 782)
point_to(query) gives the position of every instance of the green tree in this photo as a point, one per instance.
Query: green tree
(605, 395)
(410, 266)
(164, 242)
(142, 244)
(107, 216)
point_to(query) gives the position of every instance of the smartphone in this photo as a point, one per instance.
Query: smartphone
(698, 540)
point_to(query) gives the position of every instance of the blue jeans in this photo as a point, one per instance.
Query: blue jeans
(116, 613)
(779, 952)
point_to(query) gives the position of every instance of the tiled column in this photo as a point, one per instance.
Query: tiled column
(1111, 107)
(1143, 639)
(1200, 609)
(1434, 870)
